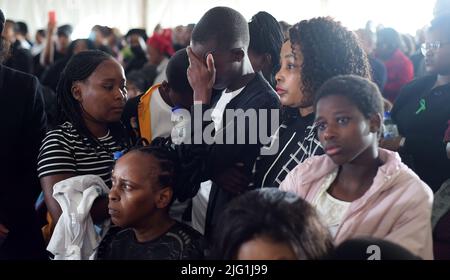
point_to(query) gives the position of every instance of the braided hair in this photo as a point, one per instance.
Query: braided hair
(79, 68)
(170, 163)
(266, 36)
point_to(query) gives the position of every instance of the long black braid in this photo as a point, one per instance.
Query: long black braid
(79, 68)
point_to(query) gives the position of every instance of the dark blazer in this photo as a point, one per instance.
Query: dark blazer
(23, 126)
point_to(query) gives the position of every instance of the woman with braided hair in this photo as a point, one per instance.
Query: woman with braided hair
(145, 183)
(91, 95)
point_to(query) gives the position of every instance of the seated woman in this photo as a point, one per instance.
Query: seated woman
(145, 183)
(269, 224)
(358, 188)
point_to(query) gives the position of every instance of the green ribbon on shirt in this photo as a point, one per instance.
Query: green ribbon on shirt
(422, 106)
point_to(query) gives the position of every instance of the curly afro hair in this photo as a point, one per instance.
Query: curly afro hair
(328, 50)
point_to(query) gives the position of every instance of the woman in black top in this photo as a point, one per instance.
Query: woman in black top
(319, 49)
(422, 110)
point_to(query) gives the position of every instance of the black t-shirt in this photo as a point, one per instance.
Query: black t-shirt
(424, 128)
(180, 242)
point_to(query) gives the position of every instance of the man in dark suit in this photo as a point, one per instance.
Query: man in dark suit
(23, 125)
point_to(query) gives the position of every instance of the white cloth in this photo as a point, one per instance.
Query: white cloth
(331, 210)
(75, 237)
(219, 108)
(199, 206)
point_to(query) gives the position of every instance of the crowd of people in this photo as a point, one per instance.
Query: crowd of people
(225, 139)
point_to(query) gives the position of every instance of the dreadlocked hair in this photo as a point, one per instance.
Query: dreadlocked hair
(79, 68)
(168, 161)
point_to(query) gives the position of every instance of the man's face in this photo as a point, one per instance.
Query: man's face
(226, 66)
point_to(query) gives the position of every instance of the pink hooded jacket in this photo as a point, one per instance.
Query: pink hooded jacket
(397, 207)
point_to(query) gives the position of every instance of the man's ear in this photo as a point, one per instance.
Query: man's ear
(375, 123)
(76, 92)
(238, 54)
(164, 197)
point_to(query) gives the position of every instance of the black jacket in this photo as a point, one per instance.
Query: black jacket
(23, 126)
(258, 94)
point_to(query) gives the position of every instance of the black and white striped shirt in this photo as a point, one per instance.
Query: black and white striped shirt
(63, 150)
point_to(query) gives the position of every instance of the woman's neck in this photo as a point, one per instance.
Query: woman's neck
(356, 177)
(154, 227)
(97, 129)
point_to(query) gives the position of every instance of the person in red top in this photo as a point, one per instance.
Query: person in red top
(400, 69)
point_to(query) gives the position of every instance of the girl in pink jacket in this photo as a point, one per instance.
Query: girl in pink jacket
(357, 188)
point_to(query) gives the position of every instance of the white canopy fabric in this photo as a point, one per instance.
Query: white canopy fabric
(404, 15)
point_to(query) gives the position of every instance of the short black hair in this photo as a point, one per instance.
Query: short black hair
(328, 50)
(362, 92)
(137, 31)
(176, 73)
(390, 36)
(70, 50)
(266, 36)
(356, 249)
(227, 27)
(138, 79)
(277, 215)
(64, 30)
(42, 32)
(442, 24)
(21, 28)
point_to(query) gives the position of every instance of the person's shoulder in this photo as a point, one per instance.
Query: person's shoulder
(15, 77)
(262, 93)
(65, 132)
(412, 183)
(309, 172)
(313, 164)
(185, 232)
(406, 180)
(419, 84)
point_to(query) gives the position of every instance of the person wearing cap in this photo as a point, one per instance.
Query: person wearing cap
(24, 123)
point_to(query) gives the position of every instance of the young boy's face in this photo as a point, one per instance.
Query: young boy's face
(135, 194)
(344, 132)
(227, 68)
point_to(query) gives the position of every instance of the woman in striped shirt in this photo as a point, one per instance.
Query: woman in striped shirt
(91, 95)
